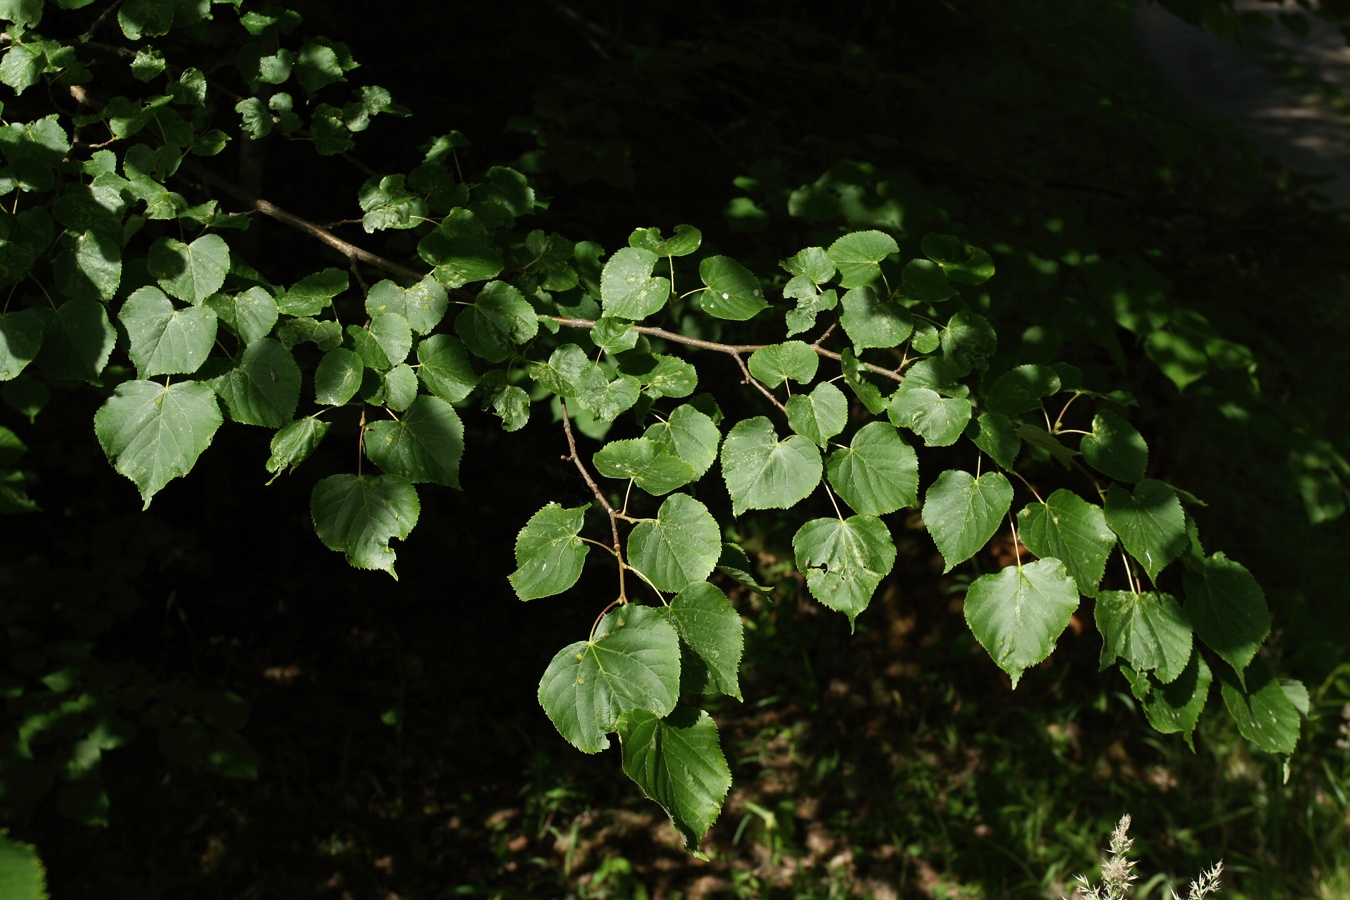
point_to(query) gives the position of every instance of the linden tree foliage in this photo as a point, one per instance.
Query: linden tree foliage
(873, 389)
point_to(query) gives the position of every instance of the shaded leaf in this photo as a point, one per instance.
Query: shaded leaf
(1151, 523)
(262, 387)
(1228, 609)
(1149, 631)
(844, 560)
(711, 640)
(1115, 448)
(359, 514)
(871, 320)
(549, 552)
(962, 512)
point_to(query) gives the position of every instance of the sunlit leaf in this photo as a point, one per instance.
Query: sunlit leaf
(844, 560)
(549, 552)
(153, 434)
(359, 514)
(1018, 613)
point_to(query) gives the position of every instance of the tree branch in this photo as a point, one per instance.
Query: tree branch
(599, 495)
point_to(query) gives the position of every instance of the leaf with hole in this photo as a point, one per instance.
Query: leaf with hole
(633, 662)
(1018, 613)
(549, 552)
(844, 560)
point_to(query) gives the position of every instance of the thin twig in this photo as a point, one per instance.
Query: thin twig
(750, 379)
(610, 511)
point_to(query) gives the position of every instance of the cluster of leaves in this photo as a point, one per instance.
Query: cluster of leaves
(119, 281)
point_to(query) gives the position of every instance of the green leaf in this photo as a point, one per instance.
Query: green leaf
(1176, 707)
(325, 335)
(164, 340)
(813, 264)
(711, 640)
(939, 420)
(1018, 613)
(262, 387)
(1068, 528)
(423, 305)
(870, 320)
(444, 367)
(460, 251)
(497, 321)
(250, 314)
(321, 62)
(819, 415)
(925, 338)
(400, 388)
(632, 663)
(1151, 523)
(503, 195)
(679, 547)
(549, 552)
(670, 377)
(925, 281)
(607, 399)
(1264, 713)
(153, 434)
(1021, 389)
(359, 514)
(968, 339)
(89, 267)
(867, 392)
(996, 435)
(314, 293)
(338, 377)
(678, 762)
(425, 445)
(78, 342)
(779, 362)
(22, 876)
(1148, 630)
(685, 241)
(962, 263)
(1228, 609)
(877, 473)
(20, 340)
(688, 434)
(506, 401)
(293, 444)
(627, 288)
(392, 333)
(190, 272)
(1114, 448)
(1038, 437)
(614, 335)
(810, 304)
(734, 564)
(762, 472)
(733, 292)
(858, 256)
(844, 560)
(387, 203)
(962, 512)
(647, 463)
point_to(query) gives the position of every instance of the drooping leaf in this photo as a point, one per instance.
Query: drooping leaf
(777, 363)
(338, 377)
(444, 368)
(20, 339)
(1176, 707)
(153, 434)
(632, 663)
(497, 321)
(877, 473)
(844, 560)
(685, 240)
(678, 762)
(89, 267)
(711, 640)
(963, 263)
(1151, 523)
(1115, 448)
(460, 250)
(627, 288)
(1038, 437)
(165, 340)
(314, 293)
(78, 341)
(426, 444)
(871, 320)
(734, 564)
(1019, 612)
(262, 387)
(359, 514)
(680, 547)
(1021, 389)
(925, 281)
(819, 415)
(1228, 609)
(962, 512)
(813, 264)
(250, 314)
(549, 552)
(939, 420)
(190, 272)
(733, 292)
(1068, 528)
(688, 434)
(762, 472)
(652, 468)
(994, 434)
(858, 256)
(1149, 631)
(1262, 708)
(865, 391)
(293, 444)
